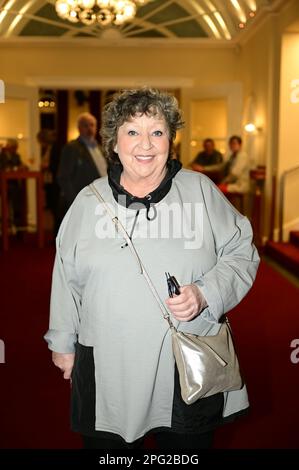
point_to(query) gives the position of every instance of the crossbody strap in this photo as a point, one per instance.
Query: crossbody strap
(121, 229)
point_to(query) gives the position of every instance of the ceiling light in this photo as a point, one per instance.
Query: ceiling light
(103, 12)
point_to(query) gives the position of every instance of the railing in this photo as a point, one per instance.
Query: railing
(272, 209)
(281, 198)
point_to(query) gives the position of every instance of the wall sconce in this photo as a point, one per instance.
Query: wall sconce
(250, 117)
(251, 128)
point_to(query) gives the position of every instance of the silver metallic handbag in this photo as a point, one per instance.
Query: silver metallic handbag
(206, 364)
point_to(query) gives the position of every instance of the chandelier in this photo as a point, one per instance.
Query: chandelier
(103, 12)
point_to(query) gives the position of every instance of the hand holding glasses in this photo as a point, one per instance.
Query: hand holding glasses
(173, 285)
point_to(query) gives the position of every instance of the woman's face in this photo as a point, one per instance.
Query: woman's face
(143, 146)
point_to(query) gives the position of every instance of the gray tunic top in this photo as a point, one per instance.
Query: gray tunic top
(100, 298)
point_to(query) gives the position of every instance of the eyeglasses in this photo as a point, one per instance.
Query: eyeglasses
(173, 285)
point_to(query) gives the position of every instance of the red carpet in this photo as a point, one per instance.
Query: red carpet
(34, 399)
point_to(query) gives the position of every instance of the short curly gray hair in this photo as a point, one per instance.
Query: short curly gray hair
(130, 103)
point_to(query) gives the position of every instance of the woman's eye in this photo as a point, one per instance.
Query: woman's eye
(158, 133)
(132, 133)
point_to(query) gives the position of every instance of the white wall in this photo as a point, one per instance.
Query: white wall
(209, 120)
(288, 155)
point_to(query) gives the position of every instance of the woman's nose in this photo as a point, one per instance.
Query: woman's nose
(145, 142)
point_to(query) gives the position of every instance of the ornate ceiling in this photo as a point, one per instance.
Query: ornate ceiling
(164, 19)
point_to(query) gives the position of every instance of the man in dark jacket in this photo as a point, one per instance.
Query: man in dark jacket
(9, 156)
(209, 161)
(81, 162)
(10, 160)
(208, 157)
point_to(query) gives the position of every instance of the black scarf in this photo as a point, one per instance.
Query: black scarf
(148, 201)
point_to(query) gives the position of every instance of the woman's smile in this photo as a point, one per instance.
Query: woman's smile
(144, 158)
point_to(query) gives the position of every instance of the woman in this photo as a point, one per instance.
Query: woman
(103, 315)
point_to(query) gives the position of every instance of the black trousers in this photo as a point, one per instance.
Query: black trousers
(164, 440)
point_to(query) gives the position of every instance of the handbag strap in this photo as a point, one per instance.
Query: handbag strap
(121, 229)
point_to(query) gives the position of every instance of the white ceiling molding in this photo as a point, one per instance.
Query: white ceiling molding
(62, 82)
(52, 42)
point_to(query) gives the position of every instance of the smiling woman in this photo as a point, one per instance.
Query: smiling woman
(133, 104)
(138, 133)
(106, 328)
(143, 149)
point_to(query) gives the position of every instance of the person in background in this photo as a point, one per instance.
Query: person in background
(49, 166)
(45, 139)
(236, 169)
(209, 159)
(106, 329)
(81, 162)
(10, 160)
(55, 154)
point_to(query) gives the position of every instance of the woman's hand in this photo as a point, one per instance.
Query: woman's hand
(188, 304)
(65, 363)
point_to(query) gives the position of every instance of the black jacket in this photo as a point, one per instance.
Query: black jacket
(76, 170)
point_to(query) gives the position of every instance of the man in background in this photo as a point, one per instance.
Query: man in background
(209, 158)
(81, 162)
(209, 161)
(10, 160)
(9, 157)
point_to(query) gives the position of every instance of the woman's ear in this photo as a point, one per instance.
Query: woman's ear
(115, 148)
